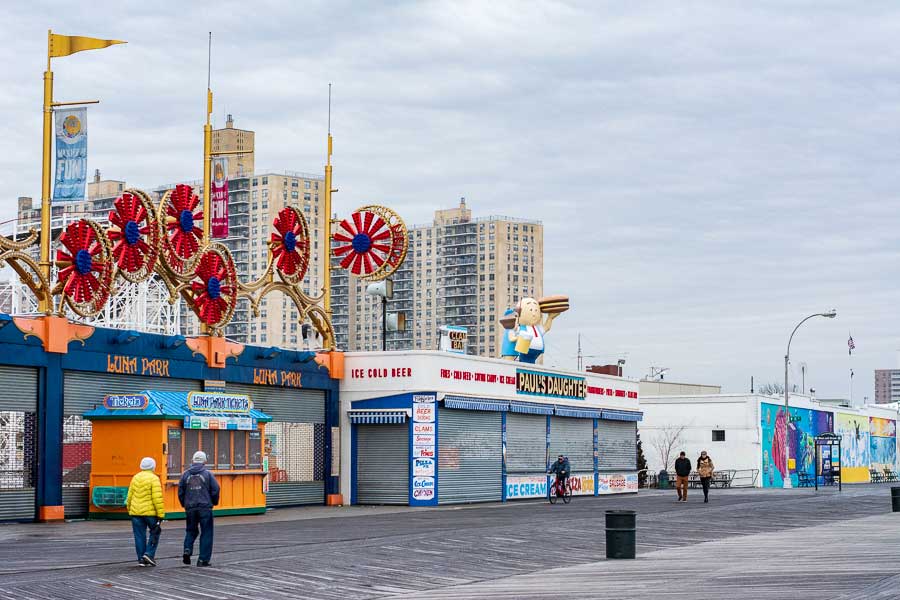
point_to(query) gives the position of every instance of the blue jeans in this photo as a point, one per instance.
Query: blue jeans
(199, 520)
(142, 546)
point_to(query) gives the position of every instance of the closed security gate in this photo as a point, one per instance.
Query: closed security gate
(526, 443)
(469, 456)
(573, 438)
(382, 466)
(618, 445)
(295, 442)
(18, 442)
(83, 391)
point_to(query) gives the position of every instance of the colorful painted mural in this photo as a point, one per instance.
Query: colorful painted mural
(802, 426)
(854, 432)
(882, 444)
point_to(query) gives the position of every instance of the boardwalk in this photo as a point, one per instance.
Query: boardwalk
(744, 544)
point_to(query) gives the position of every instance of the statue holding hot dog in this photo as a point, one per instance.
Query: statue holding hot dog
(523, 339)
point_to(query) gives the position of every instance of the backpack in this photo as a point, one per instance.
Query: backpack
(196, 491)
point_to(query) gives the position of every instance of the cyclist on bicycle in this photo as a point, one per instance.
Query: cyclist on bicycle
(561, 468)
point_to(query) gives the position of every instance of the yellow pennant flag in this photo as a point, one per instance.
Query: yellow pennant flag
(64, 45)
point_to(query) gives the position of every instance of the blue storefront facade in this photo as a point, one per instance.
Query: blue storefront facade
(45, 442)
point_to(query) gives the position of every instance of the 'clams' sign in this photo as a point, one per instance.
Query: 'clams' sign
(219, 402)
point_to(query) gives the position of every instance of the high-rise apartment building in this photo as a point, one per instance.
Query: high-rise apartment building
(887, 386)
(241, 141)
(459, 270)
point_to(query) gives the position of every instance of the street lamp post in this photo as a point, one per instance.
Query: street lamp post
(787, 415)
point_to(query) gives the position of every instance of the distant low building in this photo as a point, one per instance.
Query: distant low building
(745, 433)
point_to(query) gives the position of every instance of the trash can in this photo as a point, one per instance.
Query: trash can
(620, 533)
(662, 480)
(895, 499)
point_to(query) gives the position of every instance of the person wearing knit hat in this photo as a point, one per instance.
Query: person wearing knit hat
(198, 492)
(145, 506)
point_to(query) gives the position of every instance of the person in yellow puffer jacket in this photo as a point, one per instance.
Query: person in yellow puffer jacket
(145, 506)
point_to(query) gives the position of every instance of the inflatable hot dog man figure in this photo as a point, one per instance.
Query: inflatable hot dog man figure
(524, 340)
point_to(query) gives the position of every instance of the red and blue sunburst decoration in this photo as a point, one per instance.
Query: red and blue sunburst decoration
(85, 267)
(214, 287)
(134, 235)
(366, 243)
(183, 236)
(290, 244)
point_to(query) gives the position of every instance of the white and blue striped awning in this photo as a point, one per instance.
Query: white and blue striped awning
(468, 403)
(378, 416)
(531, 408)
(580, 413)
(611, 414)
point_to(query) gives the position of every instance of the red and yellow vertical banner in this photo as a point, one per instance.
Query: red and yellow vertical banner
(219, 198)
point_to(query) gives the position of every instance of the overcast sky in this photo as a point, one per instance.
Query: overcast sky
(708, 174)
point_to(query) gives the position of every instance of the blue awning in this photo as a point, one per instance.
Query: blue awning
(378, 417)
(580, 413)
(611, 414)
(466, 403)
(531, 408)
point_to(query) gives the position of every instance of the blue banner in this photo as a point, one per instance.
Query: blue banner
(71, 155)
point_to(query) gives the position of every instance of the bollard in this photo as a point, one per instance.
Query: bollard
(895, 499)
(620, 533)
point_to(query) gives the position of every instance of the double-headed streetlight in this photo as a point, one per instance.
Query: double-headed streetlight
(787, 415)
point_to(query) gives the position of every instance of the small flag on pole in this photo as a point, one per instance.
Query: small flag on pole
(64, 45)
(850, 345)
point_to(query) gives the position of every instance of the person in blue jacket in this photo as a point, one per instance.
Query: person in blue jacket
(198, 492)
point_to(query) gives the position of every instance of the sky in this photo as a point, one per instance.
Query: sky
(707, 173)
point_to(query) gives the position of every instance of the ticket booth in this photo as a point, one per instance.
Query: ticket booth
(170, 427)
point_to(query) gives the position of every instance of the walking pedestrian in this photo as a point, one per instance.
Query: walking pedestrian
(705, 468)
(682, 472)
(145, 506)
(198, 492)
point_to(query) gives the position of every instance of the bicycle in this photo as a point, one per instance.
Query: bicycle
(556, 491)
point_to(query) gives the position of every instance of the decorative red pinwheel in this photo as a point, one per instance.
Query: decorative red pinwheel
(183, 237)
(290, 244)
(367, 242)
(86, 269)
(214, 287)
(135, 236)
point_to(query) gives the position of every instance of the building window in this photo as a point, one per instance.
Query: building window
(265, 181)
(306, 185)
(718, 435)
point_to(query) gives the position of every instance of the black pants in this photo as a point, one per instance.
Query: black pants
(199, 521)
(704, 481)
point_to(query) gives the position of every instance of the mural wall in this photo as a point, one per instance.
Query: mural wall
(854, 432)
(883, 447)
(802, 425)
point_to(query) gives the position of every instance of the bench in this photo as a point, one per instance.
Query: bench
(889, 475)
(875, 476)
(805, 480)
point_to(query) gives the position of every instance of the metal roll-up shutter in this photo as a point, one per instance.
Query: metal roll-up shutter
(469, 456)
(382, 466)
(573, 438)
(295, 440)
(526, 443)
(18, 442)
(83, 391)
(618, 445)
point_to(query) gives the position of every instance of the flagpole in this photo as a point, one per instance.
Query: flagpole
(44, 303)
(328, 190)
(207, 148)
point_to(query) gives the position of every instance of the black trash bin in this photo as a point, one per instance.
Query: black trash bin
(620, 533)
(895, 499)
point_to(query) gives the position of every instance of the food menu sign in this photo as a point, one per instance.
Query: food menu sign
(423, 474)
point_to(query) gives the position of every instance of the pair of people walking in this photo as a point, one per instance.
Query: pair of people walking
(705, 469)
(198, 492)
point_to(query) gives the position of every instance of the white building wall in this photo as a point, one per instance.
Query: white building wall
(737, 415)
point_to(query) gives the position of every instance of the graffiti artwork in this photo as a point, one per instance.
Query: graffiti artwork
(801, 426)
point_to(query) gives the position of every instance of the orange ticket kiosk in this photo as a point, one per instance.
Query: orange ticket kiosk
(170, 427)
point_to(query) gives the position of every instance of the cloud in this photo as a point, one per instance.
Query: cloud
(707, 173)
